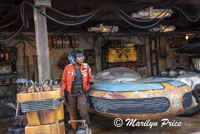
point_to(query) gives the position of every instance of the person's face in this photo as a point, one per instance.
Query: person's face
(79, 60)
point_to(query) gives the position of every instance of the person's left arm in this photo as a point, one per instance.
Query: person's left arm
(90, 79)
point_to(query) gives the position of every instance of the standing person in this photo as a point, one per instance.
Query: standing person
(75, 85)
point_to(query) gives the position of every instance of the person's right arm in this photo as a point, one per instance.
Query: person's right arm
(64, 81)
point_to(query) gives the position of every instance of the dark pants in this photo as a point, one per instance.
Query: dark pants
(80, 99)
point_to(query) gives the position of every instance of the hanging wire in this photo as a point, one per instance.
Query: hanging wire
(22, 12)
(141, 20)
(73, 16)
(23, 23)
(89, 16)
(155, 4)
(68, 23)
(63, 22)
(72, 22)
(186, 16)
(1, 27)
(138, 26)
(12, 36)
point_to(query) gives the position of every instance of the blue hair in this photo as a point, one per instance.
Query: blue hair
(72, 56)
(71, 59)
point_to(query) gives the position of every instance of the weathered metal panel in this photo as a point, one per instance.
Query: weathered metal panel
(172, 93)
(130, 106)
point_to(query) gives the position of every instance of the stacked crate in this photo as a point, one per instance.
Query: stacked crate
(44, 110)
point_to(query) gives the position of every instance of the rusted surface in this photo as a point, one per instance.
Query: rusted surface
(174, 95)
(170, 92)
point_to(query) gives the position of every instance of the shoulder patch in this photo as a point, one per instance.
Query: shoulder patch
(85, 65)
(69, 64)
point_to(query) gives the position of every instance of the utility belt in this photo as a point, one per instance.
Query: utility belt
(77, 89)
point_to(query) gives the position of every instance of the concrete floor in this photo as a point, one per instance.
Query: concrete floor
(103, 125)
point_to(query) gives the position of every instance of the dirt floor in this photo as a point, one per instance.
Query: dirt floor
(103, 125)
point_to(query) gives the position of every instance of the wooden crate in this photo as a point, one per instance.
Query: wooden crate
(34, 96)
(41, 117)
(56, 128)
(60, 112)
(46, 116)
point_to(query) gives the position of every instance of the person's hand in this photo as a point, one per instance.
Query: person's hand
(92, 82)
(87, 94)
(66, 93)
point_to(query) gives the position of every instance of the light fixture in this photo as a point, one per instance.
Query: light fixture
(102, 28)
(186, 37)
(150, 13)
(162, 28)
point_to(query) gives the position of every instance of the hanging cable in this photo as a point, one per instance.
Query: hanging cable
(68, 23)
(1, 27)
(140, 20)
(12, 36)
(186, 16)
(23, 23)
(138, 26)
(22, 9)
(72, 22)
(155, 4)
(73, 16)
(63, 22)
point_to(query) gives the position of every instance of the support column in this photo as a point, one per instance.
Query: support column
(148, 57)
(42, 43)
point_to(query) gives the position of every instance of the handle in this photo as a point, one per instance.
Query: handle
(30, 81)
(50, 83)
